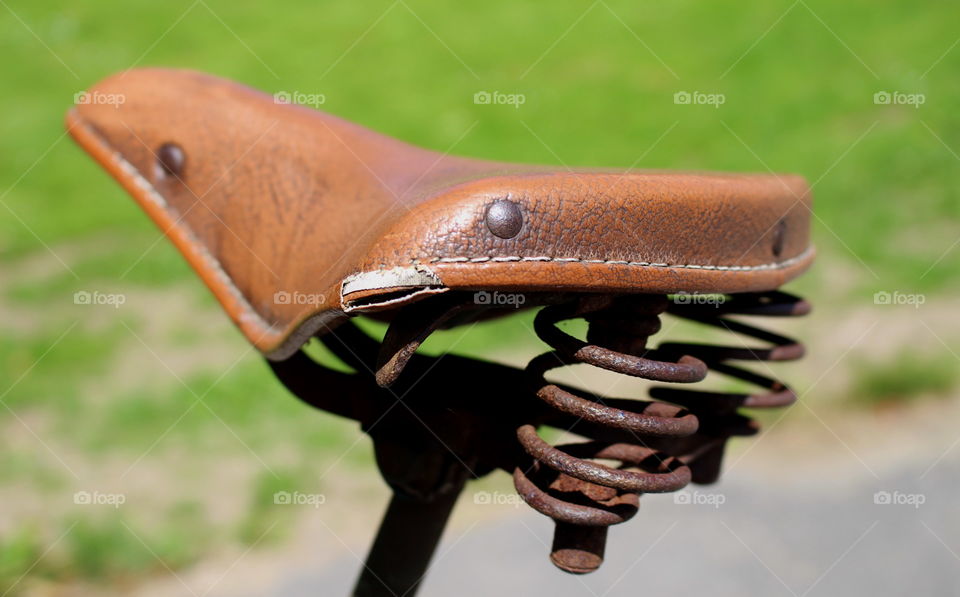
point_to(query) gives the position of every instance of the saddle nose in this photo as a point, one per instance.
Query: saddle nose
(295, 218)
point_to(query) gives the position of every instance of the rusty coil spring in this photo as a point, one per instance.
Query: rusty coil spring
(660, 445)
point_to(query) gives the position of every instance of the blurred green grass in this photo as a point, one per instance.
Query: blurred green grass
(905, 377)
(599, 81)
(797, 101)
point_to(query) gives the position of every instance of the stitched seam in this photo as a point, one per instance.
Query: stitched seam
(544, 258)
(210, 261)
(214, 264)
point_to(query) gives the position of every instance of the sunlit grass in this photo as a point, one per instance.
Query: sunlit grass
(906, 377)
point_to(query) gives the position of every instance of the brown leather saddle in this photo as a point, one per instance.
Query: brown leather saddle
(296, 219)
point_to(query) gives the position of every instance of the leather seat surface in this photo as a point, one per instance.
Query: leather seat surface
(295, 218)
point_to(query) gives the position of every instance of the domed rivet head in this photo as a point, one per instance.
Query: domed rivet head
(170, 160)
(779, 232)
(504, 218)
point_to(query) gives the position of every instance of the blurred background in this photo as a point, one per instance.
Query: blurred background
(141, 444)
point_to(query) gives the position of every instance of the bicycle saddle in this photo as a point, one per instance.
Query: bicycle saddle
(296, 219)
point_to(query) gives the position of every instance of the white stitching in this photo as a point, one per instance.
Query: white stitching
(251, 313)
(726, 268)
(248, 312)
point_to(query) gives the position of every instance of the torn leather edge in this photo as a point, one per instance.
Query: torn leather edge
(384, 288)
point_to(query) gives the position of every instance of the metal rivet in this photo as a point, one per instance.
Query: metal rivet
(504, 218)
(778, 237)
(170, 160)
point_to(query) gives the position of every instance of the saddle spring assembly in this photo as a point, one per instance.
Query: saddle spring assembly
(661, 445)
(451, 418)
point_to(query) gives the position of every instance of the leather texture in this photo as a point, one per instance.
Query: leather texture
(296, 219)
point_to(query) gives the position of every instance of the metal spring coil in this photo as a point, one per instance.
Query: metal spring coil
(660, 445)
